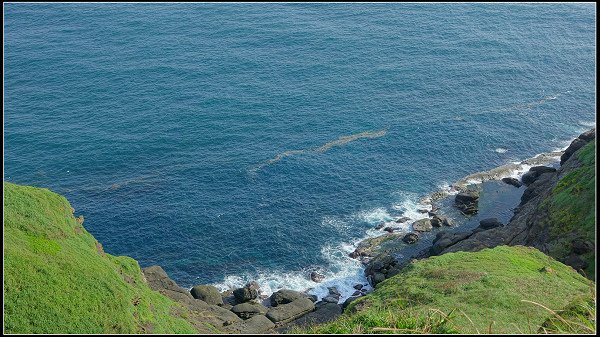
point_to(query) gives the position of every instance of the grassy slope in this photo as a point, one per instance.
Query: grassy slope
(572, 208)
(57, 279)
(483, 291)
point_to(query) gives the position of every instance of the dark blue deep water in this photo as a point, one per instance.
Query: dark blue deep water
(162, 123)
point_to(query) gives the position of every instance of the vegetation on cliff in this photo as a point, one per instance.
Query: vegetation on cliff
(572, 211)
(467, 292)
(57, 278)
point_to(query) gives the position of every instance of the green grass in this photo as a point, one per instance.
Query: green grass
(572, 208)
(465, 292)
(57, 279)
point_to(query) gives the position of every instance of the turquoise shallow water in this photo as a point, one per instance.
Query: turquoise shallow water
(169, 126)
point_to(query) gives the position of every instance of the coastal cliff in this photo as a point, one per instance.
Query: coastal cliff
(58, 279)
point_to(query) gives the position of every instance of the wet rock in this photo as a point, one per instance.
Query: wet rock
(358, 286)
(248, 310)
(444, 240)
(286, 312)
(316, 277)
(313, 298)
(380, 226)
(512, 181)
(247, 293)
(389, 229)
(423, 210)
(410, 238)
(285, 296)
(490, 223)
(467, 202)
(207, 293)
(333, 296)
(356, 293)
(423, 225)
(402, 219)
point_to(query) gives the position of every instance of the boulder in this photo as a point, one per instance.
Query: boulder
(423, 225)
(444, 240)
(333, 296)
(285, 296)
(512, 181)
(207, 293)
(380, 226)
(158, 280)
(257, 324)
(358, 286)
(316, 277)
(248, 310)
(389, 229)
(247, 293)
(542, 169)
(286, 312)
(489, 223)
(323, 314)
(467, 202)
(410, 238)
(576, 144)
(349, 300)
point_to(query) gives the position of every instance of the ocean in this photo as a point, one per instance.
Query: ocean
(237, 142)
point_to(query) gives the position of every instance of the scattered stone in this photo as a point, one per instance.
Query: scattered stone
(490, 223)
(512, 181)
(207, 293)
(358, 286)
(356, 293)
(323, 314)
(389, 229)
(333, 296)
(423, 225)
(286, 312)
(380, 226)
(410, 238)
(316, 277)
(248, 310)
(285, 296)
(247, 293)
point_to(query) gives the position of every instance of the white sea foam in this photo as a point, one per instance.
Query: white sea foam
(587, 124)
(500, 150)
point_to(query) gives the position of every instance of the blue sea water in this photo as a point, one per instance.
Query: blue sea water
(168, 126)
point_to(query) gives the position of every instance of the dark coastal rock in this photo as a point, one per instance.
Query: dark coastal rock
(333, 296)
(247, 293)
(349, 300)
(578, 143)
(542, 169)
(534, 173)
(285, 296)
(356, 293)
(323, 314)
(358, 286)
(423, 225)
(372, 246)
(389, 229)
(512, 181)
(158, 280)
(489, 223)
(410, 238)
(444, 240)
(257, 324)
(380, 226)
(576, 262)
(248, 310)
(582, 246)
(537, 186)
(316, 277)
(313, 298)
(402, 219)
(286, 312)
(423, 210)
(207, 293)
(467, 202)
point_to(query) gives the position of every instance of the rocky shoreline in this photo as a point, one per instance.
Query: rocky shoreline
(248, 310)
